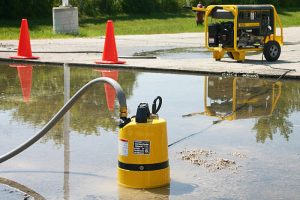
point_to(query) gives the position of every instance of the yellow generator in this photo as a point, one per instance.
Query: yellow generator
(238, 29)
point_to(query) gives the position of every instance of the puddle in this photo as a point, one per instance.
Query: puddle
(182, 53)
(253, 122)
(177, 53)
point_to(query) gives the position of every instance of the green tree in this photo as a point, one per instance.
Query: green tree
(17, 9)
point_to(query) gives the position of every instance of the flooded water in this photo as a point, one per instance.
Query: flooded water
(251, 124)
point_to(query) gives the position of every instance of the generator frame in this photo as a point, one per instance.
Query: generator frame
(270, 44)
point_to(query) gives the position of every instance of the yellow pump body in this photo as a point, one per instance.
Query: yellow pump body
(143, 154)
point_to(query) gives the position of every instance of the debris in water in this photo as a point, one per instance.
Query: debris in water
(207, 159)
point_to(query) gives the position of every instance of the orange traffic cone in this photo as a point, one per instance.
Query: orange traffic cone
(110, 92)
(24, 48)
(25, 77)
(110, 54)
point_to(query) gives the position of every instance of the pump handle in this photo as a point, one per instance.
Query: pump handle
(154, 108)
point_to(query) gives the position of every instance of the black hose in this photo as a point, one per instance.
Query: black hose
(123, 114)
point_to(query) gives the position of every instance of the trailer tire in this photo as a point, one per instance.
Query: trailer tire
(272, 51)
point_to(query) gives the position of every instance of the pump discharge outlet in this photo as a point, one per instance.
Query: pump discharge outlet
(143, 149)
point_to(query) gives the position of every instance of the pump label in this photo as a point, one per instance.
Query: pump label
(123, 147)
(141, 147)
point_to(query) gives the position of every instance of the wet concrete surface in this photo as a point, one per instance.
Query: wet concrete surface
(11, 190)
(9, 193)
(139, 44)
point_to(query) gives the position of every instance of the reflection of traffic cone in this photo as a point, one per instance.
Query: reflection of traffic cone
(110, 54)
(25, 77)
(110, 92)
(24, 48)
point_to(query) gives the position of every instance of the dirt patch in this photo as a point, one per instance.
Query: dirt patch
(210, 159)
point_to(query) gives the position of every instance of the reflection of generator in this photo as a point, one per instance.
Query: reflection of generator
(237, 29)
(240, 98)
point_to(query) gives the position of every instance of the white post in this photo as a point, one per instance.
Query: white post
(65, 2)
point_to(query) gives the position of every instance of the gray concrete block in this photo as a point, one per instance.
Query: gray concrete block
(65, 20)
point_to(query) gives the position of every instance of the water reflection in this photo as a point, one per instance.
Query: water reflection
(240, 98)
(46, 93)
(175, 189)
(25, 78)
(110, 92)
(234, 98)
(66, 134)
(132, 194)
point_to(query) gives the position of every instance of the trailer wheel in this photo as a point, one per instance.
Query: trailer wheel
(272, 51)
(230, 55)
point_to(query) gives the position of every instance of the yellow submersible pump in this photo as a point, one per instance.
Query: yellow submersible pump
(143, 149)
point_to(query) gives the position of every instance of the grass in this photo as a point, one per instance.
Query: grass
(125, 25)
(93, 27)
(290, 17)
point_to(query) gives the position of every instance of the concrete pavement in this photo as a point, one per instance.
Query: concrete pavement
(85, 51)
